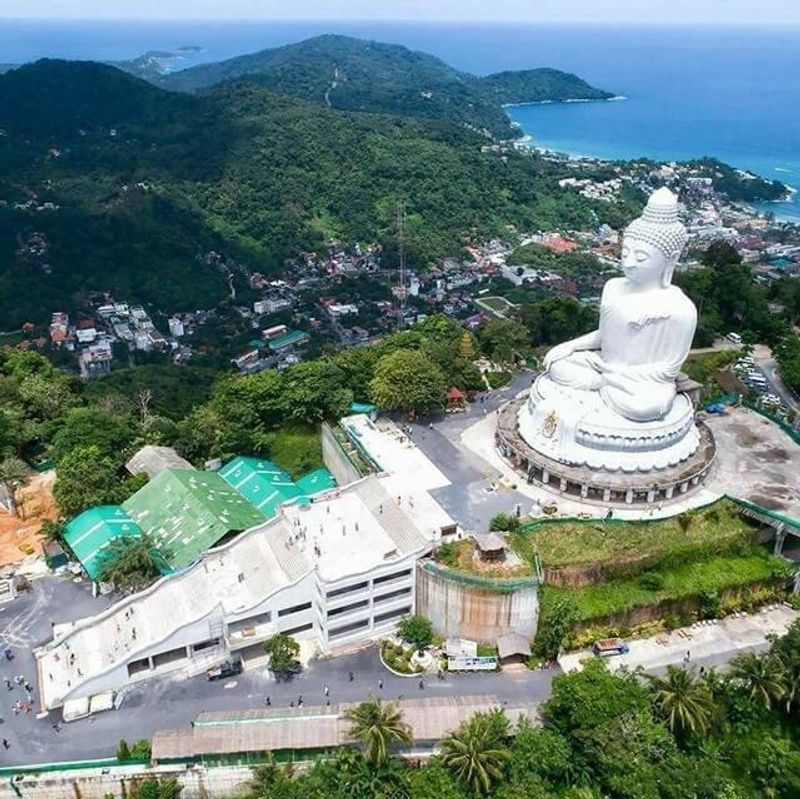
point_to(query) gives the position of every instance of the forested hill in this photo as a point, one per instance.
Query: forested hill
(123, 187)
(537, 86)
(357, 75)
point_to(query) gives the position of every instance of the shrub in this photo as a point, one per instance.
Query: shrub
(710, 605)
(448, 554)
(652, 581)
(504, 522)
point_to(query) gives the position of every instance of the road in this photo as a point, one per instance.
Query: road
(762, 357)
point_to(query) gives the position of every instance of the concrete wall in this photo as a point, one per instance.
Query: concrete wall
(198, 782)
(463, 611)
(336, 459)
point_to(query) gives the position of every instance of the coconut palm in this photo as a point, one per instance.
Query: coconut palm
(377, 726)
(762, 676)
(683, 700)
(475, 754)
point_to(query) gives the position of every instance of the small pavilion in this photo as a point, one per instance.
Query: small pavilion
(456, 399)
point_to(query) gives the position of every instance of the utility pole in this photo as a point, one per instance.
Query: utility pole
(401, 275)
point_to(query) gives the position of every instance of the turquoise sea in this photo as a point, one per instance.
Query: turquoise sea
(733, 93)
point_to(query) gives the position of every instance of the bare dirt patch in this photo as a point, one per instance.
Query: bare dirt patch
(20, 536)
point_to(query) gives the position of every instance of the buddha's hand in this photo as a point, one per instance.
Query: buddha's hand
(558, 353)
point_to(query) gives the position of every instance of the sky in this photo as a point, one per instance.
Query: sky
(733, 12)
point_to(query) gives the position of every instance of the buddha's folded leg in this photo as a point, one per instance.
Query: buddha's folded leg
(643, 401)
(576, 371)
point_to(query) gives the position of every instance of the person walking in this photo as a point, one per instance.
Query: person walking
(421, 684)
(351, 676)
(6, 744)
(327, 691)
(380, 685)
(268, 702)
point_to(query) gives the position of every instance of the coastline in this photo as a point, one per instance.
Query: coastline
(614, 99)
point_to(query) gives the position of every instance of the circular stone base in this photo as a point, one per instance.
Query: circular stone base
(599, 486)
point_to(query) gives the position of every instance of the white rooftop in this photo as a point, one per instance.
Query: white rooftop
(356, 529)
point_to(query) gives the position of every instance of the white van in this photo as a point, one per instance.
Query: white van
(734, 338)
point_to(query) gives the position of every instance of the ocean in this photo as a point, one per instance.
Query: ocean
(732, 93)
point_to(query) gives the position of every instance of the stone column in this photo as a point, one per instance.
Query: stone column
(695, 479)
(584, 490)
(562, 484)
(651, 495)
(629, 496)
(684, 487)
(669, 492)
(545, 476)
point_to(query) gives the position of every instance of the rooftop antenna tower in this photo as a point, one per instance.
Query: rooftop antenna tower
(401, 272)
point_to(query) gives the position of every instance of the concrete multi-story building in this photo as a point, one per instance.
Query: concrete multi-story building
(331, 569)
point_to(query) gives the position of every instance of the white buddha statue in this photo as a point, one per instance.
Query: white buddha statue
(615, 388)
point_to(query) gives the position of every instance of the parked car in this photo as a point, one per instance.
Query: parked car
(606, 647)
(228, 668)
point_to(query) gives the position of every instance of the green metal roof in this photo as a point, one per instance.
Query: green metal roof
(187, 511)
(267, 486)
(91, 532)
(287, 340)
(316, 481)
(260, 481)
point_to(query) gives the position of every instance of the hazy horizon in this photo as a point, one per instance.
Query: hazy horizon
(578, 12)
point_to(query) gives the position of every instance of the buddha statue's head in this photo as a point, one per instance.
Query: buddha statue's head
(652, 244)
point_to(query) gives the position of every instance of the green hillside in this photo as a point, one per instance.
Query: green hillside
(146, 181)
(357, 75)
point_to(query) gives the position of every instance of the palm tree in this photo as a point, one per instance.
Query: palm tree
(684, 701)
(475, 754)
(377, 727)
(791, 678)
(763, 677)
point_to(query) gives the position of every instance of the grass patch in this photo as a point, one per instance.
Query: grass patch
(296, 448)
(716, 574)
(459, 556)
(709, 531)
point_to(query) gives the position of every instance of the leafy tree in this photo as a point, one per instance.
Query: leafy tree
(416, 630)
(583, 701)
(544, 752)
(557, 319)
(377, 726)
(86, 477)
(283, 651)
(92, 427)
(475, 753)
(131, 562)
(775, 765)
(434, 781)
(13, 473)
(762, 677)
(408, 381)
(554, 632)
(315, 390)
(503, 340)
(682, 700)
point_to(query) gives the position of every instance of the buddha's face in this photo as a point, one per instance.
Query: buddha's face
(642, 263)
